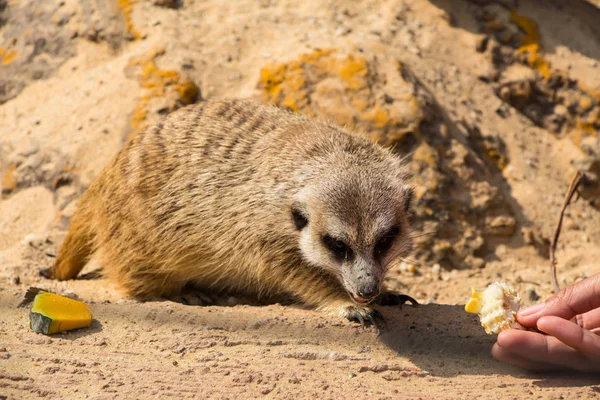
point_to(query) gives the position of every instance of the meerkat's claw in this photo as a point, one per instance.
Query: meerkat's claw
(363, 315)
(359, 318)
(376, 319)
(395, 299)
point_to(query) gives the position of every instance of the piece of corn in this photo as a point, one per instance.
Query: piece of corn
(51, 313)
(497, 307)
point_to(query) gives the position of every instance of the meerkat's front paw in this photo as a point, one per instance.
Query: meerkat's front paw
(194, 298)
(395, 299)
(363, 315)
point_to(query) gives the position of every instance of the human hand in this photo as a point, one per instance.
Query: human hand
(569, 337)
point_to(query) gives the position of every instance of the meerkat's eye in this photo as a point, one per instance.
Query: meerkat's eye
(338, 248)
(299, 219)
(385, 242)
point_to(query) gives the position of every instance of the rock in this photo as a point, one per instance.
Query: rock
(409, 268)
(436, 271)
(34, 240)
(503, 225)
(36, 43)
(475, 262)
(501, 250)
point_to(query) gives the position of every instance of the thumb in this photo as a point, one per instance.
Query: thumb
(577, 299)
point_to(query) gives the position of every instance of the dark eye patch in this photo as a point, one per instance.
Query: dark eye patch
(338, 248)
(299, 219)
(385, 242)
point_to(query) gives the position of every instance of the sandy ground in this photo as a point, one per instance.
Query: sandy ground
(494, 131)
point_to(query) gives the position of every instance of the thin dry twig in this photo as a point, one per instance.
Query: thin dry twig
(577, 179)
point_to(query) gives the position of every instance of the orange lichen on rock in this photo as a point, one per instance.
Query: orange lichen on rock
(353, 71)
(530, 44)
(9, 182)
(329, 84)
(188, 92)
(594, 93)
(498, 158)
(290, 79)
(589, 128)
(7, 56)
(160, 83)
(126, 7)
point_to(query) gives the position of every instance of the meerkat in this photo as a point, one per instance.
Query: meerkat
(242, 198)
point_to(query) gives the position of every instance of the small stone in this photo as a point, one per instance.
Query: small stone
(351, 375)
(585, 103)
(34, 240)
(501, 251)
(502, 225)
(475, 262)
(572, 225)
(436, 271)
(561, 110)
(442, 248)
(410, 268)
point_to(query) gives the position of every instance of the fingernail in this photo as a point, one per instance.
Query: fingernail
(526, 312)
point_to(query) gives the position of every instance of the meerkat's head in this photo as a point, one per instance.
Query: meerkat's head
(354, 223)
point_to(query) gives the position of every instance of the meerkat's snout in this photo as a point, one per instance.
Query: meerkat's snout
(362, 279)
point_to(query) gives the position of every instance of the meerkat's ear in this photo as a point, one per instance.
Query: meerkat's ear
(408, 193)
(299, 215)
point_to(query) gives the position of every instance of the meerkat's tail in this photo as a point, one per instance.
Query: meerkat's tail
(75, 250)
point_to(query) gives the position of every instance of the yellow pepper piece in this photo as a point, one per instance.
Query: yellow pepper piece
(474, 304)
(51, 313)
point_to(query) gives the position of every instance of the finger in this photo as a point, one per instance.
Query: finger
(571, 334)
(590, 320)
(543, 349)
(502, 354)
(571, 301)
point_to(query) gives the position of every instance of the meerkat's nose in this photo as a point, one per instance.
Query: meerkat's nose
(368, 289)
(368, 294)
